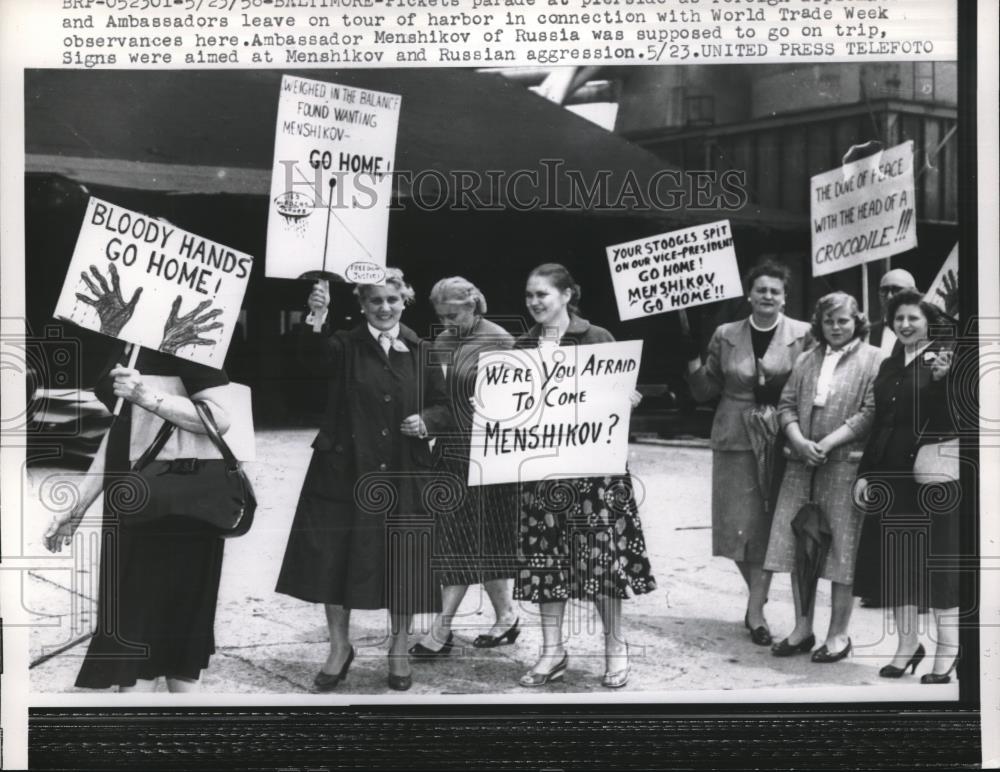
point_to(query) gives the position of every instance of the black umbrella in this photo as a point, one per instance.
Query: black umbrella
(812, 542)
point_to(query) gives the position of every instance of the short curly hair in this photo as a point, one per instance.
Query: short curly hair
(833, 301)
(937, 320)
(393, 277)
(769, 268)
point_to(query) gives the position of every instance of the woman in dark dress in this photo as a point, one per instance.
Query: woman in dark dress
(159, 580)
(478, 536)
(908, 524)
(580, 538)
(362, 535)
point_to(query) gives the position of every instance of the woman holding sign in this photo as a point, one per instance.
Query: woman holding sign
(360, 534)
(479, 535)
(159, 580)
(748, 363)
(580, 538)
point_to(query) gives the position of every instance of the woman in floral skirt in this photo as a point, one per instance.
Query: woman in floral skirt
(579, 538)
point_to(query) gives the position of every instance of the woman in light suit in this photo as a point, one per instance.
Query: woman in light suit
(748, 363)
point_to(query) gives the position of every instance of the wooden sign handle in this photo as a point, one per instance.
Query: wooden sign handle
(133, 348)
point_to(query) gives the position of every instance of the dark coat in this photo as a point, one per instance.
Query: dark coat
(460, 356)
(579, 333)
(905, 528)
(362, 500)
(911, 409)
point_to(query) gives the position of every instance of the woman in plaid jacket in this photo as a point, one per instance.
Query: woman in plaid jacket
(826, 411)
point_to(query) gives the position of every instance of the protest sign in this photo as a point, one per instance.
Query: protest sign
(674, 270)
(552, 412)
(331, 182)
(863, 211)
(148, 282)
(944, 290)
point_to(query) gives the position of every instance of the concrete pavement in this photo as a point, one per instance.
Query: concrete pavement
(686, 636)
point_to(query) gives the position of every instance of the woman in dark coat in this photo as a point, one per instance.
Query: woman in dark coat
(361, 534)
(159, 580)
(909, 523)
(580, 538)
(478, 536)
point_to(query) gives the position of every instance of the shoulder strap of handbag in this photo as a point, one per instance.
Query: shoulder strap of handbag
(155, 447)
(205, 414)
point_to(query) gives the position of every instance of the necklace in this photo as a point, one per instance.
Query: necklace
(758, 328)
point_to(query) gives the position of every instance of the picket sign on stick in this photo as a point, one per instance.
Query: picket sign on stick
(149, 283)
(132, 359)
(552, 412)
(317, 322)
(863, 211)
(673, 271)
(334, 150)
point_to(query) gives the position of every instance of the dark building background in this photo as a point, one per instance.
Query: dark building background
(195, 148)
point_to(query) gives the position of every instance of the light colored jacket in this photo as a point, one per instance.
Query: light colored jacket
(851, 399)
(730, 369)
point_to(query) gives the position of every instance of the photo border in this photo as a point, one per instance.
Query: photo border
(533, 735)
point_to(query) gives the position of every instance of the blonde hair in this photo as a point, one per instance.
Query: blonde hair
(457, 289)
(394, 277)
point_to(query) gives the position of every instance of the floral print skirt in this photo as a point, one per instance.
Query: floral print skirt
(580, 538)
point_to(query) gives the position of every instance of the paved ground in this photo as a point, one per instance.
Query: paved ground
(686, 636)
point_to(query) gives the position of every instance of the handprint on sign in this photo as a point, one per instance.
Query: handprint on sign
(111, 307)
(948, 292)
(187, 330)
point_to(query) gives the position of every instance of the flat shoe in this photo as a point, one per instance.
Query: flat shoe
(823, 654)
(540, 679)
(492, 641)
(326, 682)
(761, 636)
(421, 653)
(786, 649)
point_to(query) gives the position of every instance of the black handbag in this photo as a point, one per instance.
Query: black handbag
(213, 491)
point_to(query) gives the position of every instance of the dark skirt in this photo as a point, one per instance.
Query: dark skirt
(909, 549)
(476, 540)
(159, 585)
(581, 538)
(340, 554)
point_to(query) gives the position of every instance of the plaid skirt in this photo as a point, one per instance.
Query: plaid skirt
(833, 492)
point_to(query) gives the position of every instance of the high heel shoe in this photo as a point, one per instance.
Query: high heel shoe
(941, 678)
(421, 653)
(891, 671)
(326, 682)
(492, 641)
(759, 635)
(399, 683)
(540, 679)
